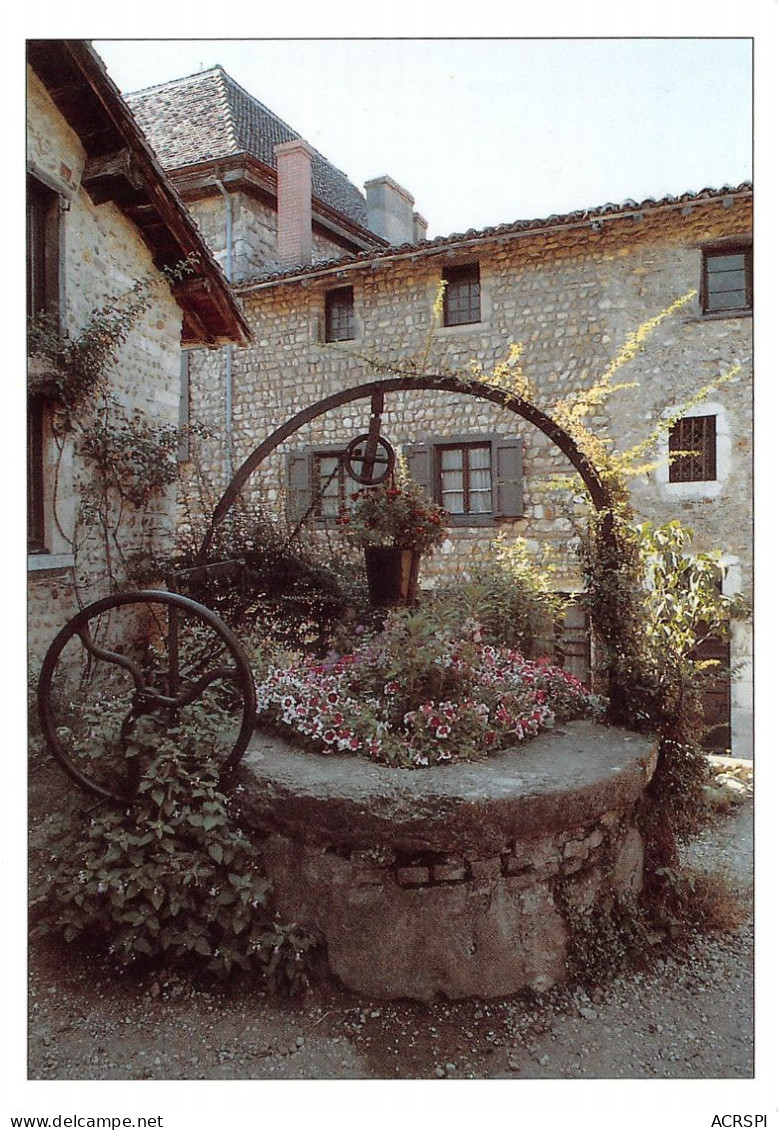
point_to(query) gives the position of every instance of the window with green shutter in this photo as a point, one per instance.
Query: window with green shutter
(318, 487)
(477, 479)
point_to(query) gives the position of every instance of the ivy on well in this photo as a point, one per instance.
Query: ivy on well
(170, 877)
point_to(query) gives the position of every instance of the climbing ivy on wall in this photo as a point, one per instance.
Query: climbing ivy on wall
(129, 460)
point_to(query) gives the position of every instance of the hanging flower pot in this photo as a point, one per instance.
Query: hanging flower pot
(392, 575)
(395, 525)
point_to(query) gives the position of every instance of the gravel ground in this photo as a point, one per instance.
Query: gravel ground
(687, 1017)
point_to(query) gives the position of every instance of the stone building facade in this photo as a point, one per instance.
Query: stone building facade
(86, 250)
(352, 296)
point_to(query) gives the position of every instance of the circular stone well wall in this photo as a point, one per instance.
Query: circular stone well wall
(451, 881)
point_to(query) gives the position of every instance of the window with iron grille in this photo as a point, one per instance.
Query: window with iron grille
(339, 314)
(727, 279)
(462, 297)
(464, 478)
(693, 450)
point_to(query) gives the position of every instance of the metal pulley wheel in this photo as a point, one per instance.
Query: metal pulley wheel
(369, 459)
(133, 654)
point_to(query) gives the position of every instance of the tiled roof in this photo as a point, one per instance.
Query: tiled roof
(208, 116)
(583, 217)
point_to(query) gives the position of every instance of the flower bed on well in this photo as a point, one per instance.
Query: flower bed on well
(418, 695)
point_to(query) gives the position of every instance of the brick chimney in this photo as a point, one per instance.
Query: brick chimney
(390, 211)
(294, 242)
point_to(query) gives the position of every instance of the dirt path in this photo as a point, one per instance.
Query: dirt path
(689, 1017)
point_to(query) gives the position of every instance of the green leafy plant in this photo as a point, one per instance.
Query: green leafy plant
(510, 595)
(652, 600)
(70, 371)
(676, 904)
(266, 584)
(169, 877)
(129, 454)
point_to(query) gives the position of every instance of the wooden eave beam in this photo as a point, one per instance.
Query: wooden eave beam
(197, 290)
(113, 176)
(120, 163)
(193, 329)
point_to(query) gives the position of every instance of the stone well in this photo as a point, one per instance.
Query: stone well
(451, 881)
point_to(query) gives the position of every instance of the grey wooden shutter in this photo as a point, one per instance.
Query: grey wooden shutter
(508, 490)
(418, 458)
(298, 484)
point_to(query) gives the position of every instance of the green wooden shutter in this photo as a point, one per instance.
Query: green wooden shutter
(418, 458)
(507, 469)
(298, 484)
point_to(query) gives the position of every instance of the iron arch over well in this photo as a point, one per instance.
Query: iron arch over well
(370, 389)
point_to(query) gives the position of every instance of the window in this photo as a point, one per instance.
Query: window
(693, 439)
(42, 248)
(477, 479)
(339, 314)
(727, 278)
(317, 485)
(462, 297)
(42, 299)
(330, 485)
(464, 478)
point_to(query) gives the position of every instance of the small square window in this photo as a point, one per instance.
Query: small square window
(462, 297)
(339, 314)
(727, 279)
(693, 450)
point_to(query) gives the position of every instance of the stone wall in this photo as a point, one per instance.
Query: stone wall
(101, 257)
(254, 234)
(570, 300)
(459, 881)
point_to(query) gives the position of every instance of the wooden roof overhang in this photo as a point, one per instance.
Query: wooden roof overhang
(120, 167)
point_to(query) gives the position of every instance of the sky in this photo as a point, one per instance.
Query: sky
(489, 131)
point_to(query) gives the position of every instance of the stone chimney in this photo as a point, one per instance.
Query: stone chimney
(294, 241)
(390, 211)
(419, 228)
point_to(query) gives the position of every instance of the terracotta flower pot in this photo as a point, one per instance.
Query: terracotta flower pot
(392, 575)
